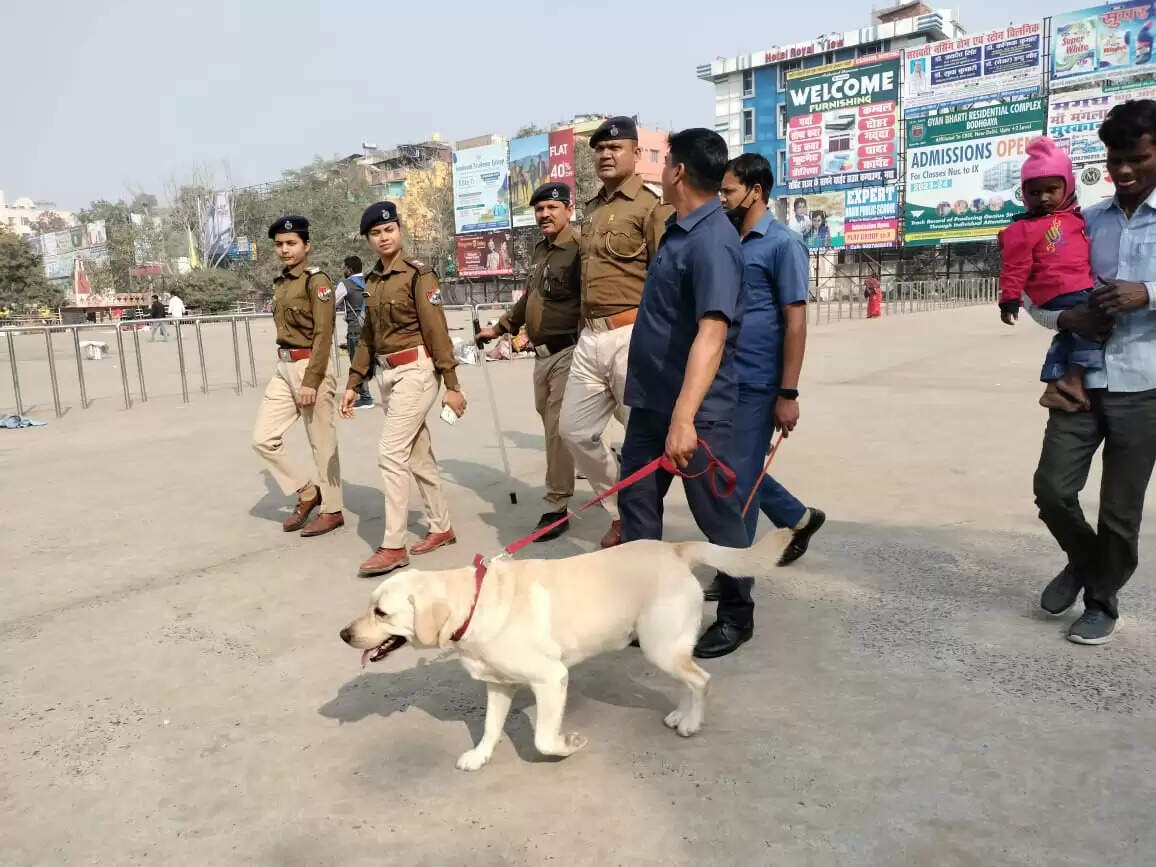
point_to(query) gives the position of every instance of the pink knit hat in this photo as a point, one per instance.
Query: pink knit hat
(1045, 160)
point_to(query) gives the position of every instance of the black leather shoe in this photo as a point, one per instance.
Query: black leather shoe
(800, 539)
(546, 520)
(1061, 593)
(722, 638)
(712, 593)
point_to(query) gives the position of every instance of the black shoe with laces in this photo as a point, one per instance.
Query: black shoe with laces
(1061, 593)
(546, 520)
(721, 638)
(1093, 627)
(801, 539)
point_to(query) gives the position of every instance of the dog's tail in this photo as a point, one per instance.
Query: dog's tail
(758, 561)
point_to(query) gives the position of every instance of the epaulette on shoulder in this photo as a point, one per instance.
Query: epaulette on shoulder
(419, 266)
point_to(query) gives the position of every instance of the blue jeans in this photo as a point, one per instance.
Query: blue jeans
(1068, 348)
(754, 426)
(719, 518)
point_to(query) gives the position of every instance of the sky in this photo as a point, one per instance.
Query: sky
(103, 99)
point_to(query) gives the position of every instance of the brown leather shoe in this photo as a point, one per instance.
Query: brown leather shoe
(301, 514)
(383, 560)
(324, 523)
(433, 541)
(613, 535)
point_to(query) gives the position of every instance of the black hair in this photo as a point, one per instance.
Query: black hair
(703, 155)
(353, 263)
(795, 203)
(156, 298)
(751, 169)
(1129, 122)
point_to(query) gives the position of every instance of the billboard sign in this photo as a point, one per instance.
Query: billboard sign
(1006, 63)
(485, 254)
(963, 171)
(1074, 116)
(842, 124)
(537, 160)
(1102, 42)
(481, 189)
(1093, 184)
(863, 217)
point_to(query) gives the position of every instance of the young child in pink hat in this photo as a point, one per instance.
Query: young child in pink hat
(1046, 256)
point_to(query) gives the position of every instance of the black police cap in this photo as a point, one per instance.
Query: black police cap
(614, 128)
(554, 192)
(290, 223)
(378, 213)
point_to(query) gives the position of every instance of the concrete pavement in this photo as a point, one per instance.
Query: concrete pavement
(174, 690)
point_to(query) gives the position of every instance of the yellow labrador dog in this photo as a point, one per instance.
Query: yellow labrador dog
(534, 619)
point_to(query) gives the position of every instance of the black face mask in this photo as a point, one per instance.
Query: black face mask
(738, 216)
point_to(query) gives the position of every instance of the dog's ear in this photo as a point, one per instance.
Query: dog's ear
(429, 618)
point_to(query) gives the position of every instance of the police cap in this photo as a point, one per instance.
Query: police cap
(378, 213)
(614, 128)
(290, 223)
(551, 192)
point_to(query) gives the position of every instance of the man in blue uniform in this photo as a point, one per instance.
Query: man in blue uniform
(681, 383)
(769, 356)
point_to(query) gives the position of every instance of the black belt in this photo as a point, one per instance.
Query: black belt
(555, 344)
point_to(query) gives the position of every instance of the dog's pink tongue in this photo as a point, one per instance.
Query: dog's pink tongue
(365, 654)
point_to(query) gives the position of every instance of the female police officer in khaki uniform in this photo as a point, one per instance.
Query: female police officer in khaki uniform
(405, 330)
(304, 385)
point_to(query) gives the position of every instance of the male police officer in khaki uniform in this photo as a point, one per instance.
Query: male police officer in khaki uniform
(405, 330)
(304, 385)
(550, 310)
(624, 224)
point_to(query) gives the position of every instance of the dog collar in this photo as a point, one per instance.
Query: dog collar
(479, 577)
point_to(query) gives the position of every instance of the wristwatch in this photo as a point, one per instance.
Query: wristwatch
(789, 393)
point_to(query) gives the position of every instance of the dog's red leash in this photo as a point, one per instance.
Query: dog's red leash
(766, 466)
(713, 467)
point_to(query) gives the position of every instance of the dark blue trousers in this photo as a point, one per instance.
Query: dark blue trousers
(719, 518)
(754, 426)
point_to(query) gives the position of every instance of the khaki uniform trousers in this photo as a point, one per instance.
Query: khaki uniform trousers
(279, 410)
(595, 393)
(550, 375)
(408, 393)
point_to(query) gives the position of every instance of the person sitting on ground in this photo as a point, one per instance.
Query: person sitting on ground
(1047, 256)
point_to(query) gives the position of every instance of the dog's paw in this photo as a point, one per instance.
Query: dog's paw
(684, 723)
(472, 760)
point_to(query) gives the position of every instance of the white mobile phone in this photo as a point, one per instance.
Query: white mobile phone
(449, 416)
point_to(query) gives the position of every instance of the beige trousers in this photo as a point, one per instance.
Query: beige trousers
(279, 410)
(408, 392)
(594, 394)
(550, 375)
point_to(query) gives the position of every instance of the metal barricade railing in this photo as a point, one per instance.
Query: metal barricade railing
(180, 328)
(905, 296)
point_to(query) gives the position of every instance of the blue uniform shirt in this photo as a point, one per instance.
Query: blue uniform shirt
(698, 270)
(775, 275)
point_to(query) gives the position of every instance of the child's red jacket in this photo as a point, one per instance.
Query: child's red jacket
(1044, 257)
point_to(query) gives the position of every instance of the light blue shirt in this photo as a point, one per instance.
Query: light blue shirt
(1125, 249)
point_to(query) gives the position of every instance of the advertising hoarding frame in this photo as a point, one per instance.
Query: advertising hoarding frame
(843, 124)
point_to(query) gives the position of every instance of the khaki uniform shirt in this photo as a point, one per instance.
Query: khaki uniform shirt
(303, 311)
(401, 314)
(619, 241)
(551, 306)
